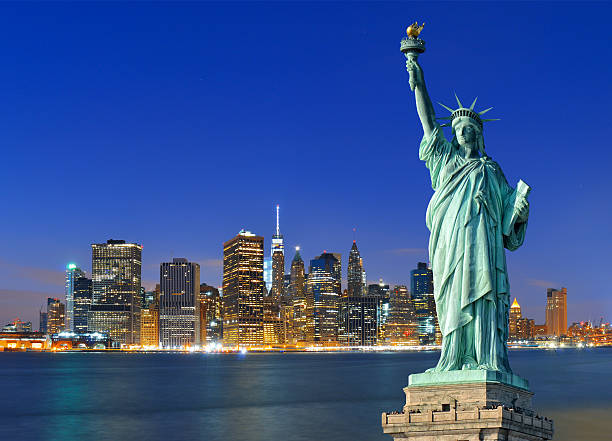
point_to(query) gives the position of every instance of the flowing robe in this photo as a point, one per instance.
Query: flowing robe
(466, 249)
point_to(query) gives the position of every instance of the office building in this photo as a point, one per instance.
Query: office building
(356, 273)
(116, 282)
(56, 316)
(278, 263)
(297, 294)
(149, 318)
(556, 312)
(323, 290)
(82, 294)
(358, 318)
(211, 323)
(243, 288)
(179, 304)
(422, 293)
(402, 324)
(42, 321)
(72, 272)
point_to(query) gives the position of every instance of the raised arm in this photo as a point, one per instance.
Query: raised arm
(423, 102)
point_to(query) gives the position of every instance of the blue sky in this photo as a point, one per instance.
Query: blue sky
(176, 125)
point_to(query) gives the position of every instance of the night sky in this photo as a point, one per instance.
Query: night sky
(176, 125)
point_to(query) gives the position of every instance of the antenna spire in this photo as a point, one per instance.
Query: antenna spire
(277, 220)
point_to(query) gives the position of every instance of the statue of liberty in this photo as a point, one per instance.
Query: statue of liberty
(472, 216)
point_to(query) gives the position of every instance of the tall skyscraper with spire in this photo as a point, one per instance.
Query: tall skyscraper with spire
(356, 273)
(278, 263)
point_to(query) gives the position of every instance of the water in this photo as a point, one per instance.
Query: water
(292, 396)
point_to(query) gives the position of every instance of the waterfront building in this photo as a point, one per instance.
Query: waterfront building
(513, 321)
(297, 294)
(422, 293)
(72, 272)
(42, 321)
(278, 263)
(82, 293)
(358, 318)
(556, 312)
(56, 316)
(381, 291)
(116, 282)
(211, 323)
(402, 324)
(179, 304)
(355, 273)
(23, 341)
(149, 318)
(243, 288)
(18, 326)
(323, 291)
(87, 340)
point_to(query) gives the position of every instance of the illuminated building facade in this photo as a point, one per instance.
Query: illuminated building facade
(402, 324)
(149, 318)
(243, 288)
(323, 290)
(72, 273)
(422, 292)
(278, 264)
(513, 322)
(211, 322)
(179, 304)
(56, 316)
(18, 326)
(297, 294)
(82, 293)
(23, 341)
(116, 282)
(556, 311)
(358, 318)
(356, 273)
(268, 274)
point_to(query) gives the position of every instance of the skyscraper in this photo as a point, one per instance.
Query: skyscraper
(356, 273)
(402, 324)
(297, 294)
(72, 272)
(82, 302)
(323, 291)
(116, 280)
(422, 292)
(211, 323)
(56, 316)
(149, 318)
(179, 304)
(513, 320)
(556, 311)
(42, 323)
(243, 288)
(278, 263)
(358, 318)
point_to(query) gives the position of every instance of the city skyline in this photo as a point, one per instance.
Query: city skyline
(183, 85)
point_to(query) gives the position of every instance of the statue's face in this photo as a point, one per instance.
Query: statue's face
(466, 131)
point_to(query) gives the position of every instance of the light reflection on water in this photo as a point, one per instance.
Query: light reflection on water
(301, 396)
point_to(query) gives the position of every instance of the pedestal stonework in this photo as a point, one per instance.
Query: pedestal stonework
(467, 406)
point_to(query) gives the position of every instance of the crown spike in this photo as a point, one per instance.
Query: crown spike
(492, 119)
(446, 107)
(445, 125)
(473, 104)
(485, 111)
(458, 102)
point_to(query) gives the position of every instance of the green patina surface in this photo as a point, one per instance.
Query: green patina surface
(467, 376)
(474, 215)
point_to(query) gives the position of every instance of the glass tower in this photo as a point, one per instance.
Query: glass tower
(243, 288)
(116, 281)
(322, 295)
(72, 272)
(179, 304)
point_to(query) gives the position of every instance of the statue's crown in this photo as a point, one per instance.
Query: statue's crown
(466, 112)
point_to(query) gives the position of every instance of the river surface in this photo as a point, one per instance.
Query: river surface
(279, 396)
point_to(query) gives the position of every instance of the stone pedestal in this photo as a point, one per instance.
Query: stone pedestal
(467, 406)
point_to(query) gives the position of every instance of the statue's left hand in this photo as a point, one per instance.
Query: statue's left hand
(522, 210)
